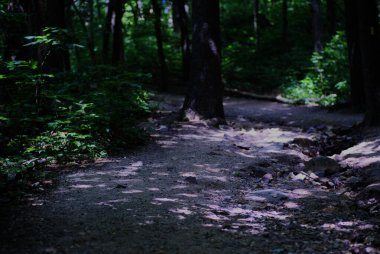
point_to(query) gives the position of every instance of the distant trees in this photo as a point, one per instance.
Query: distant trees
(205, 95)
(58, 59)
(113, 24)
(317, 24)
(159, 41)
(181, 22)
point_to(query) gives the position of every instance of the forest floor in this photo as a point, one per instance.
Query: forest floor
(240, 188)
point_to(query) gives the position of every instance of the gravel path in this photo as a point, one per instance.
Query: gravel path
(187, 192)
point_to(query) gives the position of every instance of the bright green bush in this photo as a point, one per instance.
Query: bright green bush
(327, 81)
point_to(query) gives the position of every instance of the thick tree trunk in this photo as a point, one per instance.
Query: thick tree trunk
(370, 54)
(205, 95)
(118, 39)
(331, 16)
(356, 76)
(181, 19)
(285, 21)
(160, 48)
(317, 24)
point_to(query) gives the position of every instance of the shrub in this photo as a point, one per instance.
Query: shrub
(326, 82)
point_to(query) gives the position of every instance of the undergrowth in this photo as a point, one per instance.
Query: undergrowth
(71, 117)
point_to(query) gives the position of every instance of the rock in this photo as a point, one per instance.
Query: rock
(255, 171)
(267, 195)
(163, 128)
(313, 176)
(268, 177)
(371, 174)
(121, 186)
(323, 166)
(191, 179)
(243, 145)
(370, 192)
(303, 142)
(299, 177)
(354, 181)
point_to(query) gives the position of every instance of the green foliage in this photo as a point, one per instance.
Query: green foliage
(326, 82)
(75, 117)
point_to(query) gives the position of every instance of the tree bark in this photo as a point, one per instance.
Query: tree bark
(91, 31)
(181, 19)
(107, 30)
(160, 48)
(256, 9)
(370, 52)
(205, 95)
(118, 39)
(356, 76)
(317, 24)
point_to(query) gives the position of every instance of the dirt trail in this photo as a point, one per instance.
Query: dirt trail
(190, 192)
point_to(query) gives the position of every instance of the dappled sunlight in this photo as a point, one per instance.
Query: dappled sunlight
(82, 186)
(347, 226)
(362, 155)
(132, 191)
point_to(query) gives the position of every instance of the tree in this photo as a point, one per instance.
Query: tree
(285, 21)
(118, 39)
(57, 59)
(331, 16)
(354, 55)
(256, 9)
(160, 48)
(113, 24)
(181, 22)
(205, 95)
(369, 43)
(317, 24)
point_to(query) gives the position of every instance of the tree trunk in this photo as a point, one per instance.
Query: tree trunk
(87, 27)
(205, 95)
(91, 32)
(331, 16)
(356, 77)
(256, 8)
(317, 24)
(118, 39)
(285, 21)
(107, 30)
(160, 48)
(182, 21)
(56, 59)
(370, 52)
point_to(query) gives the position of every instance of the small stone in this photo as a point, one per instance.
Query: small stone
(323, 165)
(267, 177)
(267, 195)
(298, 177)
(121, 186)
(191, 180)
(371, 191)
(242, 145)
(313, 176)
(303, 142)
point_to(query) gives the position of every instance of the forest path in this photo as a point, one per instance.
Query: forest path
(197, 190)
